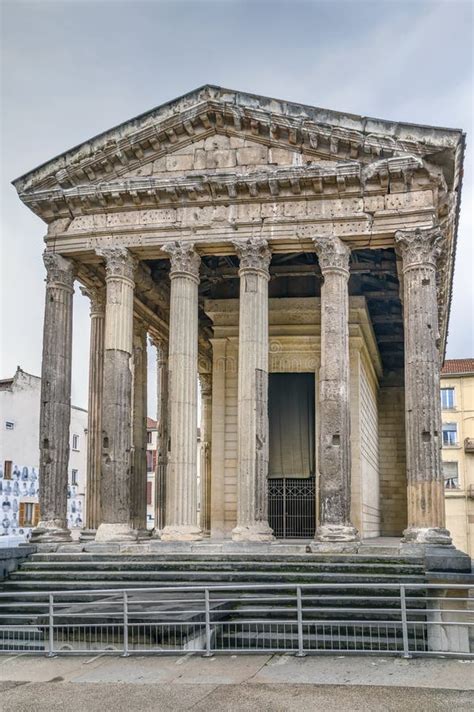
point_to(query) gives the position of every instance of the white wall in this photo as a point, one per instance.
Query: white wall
(20, 404)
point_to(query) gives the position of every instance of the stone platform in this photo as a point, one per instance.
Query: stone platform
(435, 558)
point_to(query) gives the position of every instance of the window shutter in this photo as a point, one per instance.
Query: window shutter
(148, 492)
(22, 514)
(36, 515)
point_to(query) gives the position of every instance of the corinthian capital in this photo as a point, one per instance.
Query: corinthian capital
(332, 253)
(119, 262)
(419, 246)
(97, 299)
(184, 259)
(60, 271)
(253, 254)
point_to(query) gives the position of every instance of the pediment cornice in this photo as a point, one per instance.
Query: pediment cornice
(211, 187)
(320, 133)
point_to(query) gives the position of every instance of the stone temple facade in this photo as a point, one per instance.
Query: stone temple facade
(255, 241)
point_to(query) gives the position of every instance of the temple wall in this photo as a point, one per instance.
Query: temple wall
(294, 347)
(365, 509)
(369, 448)
(393, 485)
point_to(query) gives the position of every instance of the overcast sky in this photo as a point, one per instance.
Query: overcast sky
(74, 68)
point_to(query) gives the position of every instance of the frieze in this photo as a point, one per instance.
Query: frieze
(106, 241)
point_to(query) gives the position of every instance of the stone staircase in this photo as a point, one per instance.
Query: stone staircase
(244, 623)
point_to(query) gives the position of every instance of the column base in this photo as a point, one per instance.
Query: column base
(181, 533)
(260, 532)
(335, 537)
(115, 532)
(52, 531)
(429, 535)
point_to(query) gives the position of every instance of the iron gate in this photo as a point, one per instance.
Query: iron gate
(292, 507)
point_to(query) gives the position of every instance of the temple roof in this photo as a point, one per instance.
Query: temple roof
(340, 135)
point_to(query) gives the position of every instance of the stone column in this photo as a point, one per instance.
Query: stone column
(334, 453)
(138, 483)
(425, 494)
(252, 451)
(117, 403)
(206, 439)
(181, 478)
(162, 440)
(55, 408)
(94, 416)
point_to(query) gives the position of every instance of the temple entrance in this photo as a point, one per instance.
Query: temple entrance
(291, 472)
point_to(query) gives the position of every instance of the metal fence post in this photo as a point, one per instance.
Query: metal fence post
(299, 615)
(403, 608)
(207, 614)
(125, 653)
(51, 653)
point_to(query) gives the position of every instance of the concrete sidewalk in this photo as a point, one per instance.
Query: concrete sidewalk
(241, 683)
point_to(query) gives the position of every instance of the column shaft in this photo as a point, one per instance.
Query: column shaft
(206, 439)
(139, 427)
(55, 409)
(162, 440)
(94, 416)
(334, 406)
(181, 480)
(117, 405)
(252, 453)
(425, 493)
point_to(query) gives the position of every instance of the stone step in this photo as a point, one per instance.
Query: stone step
(215, 576)
(302, 566)
(228, 558)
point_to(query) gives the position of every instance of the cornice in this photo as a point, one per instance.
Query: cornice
(211, 110)
(206, 188)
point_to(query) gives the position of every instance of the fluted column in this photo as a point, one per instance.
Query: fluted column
(252, 452)
(94, 415)
(162, 443)
(206, 439)
(181, 478)
(139, 427)
(117, 403)
(334, 452)
(426, 514)
(55, 408)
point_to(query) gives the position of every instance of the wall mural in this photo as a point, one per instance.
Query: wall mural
(19, 493)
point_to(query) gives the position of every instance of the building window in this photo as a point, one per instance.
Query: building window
(447, 398)
(9, 425)
(74, 477)
(450, 434)
(28, 514)
(7, 470)
(149, 437)
(75, 442)
(451, 476)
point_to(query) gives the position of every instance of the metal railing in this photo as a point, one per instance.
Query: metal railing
(384, 618)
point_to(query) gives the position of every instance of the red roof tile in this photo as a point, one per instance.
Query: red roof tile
(151, 424)
(458, 365)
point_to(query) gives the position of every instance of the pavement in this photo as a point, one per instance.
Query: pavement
(273, 683)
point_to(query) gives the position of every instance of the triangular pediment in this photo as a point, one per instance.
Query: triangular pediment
(227, 130)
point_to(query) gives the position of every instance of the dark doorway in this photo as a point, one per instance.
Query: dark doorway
(291, 472)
